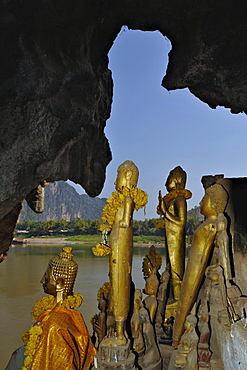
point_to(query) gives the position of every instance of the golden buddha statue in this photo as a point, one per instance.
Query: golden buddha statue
(151, 260)
(212, 204)
(59, 338)
(117, 217)
(173, 208)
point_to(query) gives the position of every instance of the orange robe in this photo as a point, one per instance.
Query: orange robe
(64, 343)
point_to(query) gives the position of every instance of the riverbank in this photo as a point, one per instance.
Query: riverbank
(64, 241)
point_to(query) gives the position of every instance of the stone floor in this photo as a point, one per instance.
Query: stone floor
(166, 352)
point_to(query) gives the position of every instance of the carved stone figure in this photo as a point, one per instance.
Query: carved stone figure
(161, 299)
(151, 260)
(99, 321)
(136, 326)
(204, 353)
(173, 208)
(213, 203)
(59, 338)
(150, 302)
(222, 243)
(185, 356)
(152, 359)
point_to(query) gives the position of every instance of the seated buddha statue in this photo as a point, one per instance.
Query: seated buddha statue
(59, 338)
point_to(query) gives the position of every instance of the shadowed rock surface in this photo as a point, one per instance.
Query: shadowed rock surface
(56, 88)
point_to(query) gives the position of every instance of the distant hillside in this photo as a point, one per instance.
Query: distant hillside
(63, 202)
(195, 212)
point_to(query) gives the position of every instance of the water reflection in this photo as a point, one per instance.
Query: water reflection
(20, 286)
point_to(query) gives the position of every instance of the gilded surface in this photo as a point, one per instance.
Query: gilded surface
(173, 208)
(64, 343)
(151, 261)
(59, 338)
(213, 203)
(118, 214)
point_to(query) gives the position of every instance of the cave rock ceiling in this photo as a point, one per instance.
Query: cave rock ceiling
(56, 88)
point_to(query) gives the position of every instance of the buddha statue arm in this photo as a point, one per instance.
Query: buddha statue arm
(127, 213)
(180, 214)
(162, 204)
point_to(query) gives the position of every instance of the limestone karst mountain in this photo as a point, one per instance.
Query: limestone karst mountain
(63, 202)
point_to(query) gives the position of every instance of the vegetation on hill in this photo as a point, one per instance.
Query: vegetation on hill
(63, 202)
(69, 214)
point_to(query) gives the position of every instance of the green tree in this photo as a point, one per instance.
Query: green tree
(190, 226)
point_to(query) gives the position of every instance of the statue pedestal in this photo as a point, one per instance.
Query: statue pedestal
(115, 357)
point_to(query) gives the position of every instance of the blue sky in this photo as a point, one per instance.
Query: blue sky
(159, 130)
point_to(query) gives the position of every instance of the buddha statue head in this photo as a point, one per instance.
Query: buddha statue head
(59, 278)
(137, 300)
(214, 201)
(176, 179)
(127, 175)
(190, 323)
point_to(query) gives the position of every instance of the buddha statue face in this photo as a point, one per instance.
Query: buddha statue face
(190, 323)
(127, 175)
(214, 201)
(60, 274)
(206, 207)
(48, 282)
(176, 179)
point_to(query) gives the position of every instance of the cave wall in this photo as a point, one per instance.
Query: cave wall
(56, 88)
(236, 213)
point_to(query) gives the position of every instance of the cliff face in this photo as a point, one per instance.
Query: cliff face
(63, 202)
(56, 89)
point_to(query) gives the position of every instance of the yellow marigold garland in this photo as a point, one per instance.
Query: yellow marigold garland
(105, 290)
(34, 337)
(140, 199)
(48, 302)
(168, 197)
(101, 249)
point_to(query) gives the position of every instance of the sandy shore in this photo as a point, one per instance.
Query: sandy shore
(51, 241)
(63, 241)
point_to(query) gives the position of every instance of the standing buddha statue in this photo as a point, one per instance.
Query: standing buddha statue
(117, 217)
(173, 209)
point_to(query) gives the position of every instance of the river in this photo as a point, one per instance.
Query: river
(20, 286)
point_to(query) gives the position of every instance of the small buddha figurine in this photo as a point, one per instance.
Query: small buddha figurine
(162, 291)
(99, 321)
(152, 358)
(151, 288)
(59, 338)
(173, 208)
(136, 326)
(161, 299)
(222, 244)
(204, 352)
(212, 204)
(151, 260)
(185, 356)
(117, 216)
